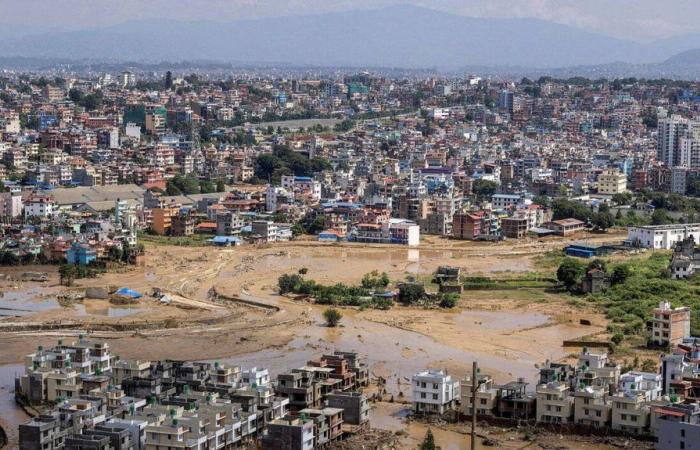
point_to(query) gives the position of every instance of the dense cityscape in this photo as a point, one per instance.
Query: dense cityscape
(357, 259)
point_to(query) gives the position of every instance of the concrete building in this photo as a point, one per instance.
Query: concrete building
(354, 405)
(670, 325)
(289, 433)
(611, 182)
(591, 407)
(486, 396)
(434, 392)
(554, 403)
(678, 427)
(630, 412)
(662, 237)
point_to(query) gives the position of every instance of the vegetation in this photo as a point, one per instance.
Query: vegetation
(636, 288)
(429, 442)
(284, 161)
(365, 295)
(70, 272)
(332, 317)
(338, 294)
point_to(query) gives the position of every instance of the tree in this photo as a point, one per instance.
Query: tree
(484, 188)
(410, 293)
(67, 273)
(660, 217)
(570, 272)
(620, 274)
(649, 365)
(429, 442)
(288, 283)
(597, 264)
(603, 220)
(168, 79)
(332, 317)
(220, 186)
(116, 253)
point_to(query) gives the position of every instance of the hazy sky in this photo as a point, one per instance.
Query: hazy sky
(633, 19)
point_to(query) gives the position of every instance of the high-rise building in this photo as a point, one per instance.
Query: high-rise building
(671, 131)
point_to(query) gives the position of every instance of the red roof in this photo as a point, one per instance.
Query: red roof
(669, 412)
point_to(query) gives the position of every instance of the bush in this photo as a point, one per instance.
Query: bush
(448, 300)
(332, 317)
(617, 338)
(288, 283)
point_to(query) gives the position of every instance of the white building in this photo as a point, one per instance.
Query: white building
(648, 384)
(662, 237)
(504, 201)
(40, 206)
(255, 375)
(434, 391)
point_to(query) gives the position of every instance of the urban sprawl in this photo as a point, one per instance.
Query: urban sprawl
(600, 177)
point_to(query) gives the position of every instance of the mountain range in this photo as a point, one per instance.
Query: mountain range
(398, 36)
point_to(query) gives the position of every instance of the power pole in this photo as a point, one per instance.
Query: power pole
(475, 387)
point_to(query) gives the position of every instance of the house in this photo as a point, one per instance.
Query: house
(685, 259)
(670, 325)
(592, 407)
(554, 403)
(486, 396)
(595, 281)
(434, 392)
(662, 237)
(565, 227)
(80, 253)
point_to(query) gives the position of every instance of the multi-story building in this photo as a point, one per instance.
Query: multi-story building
(554, 403)
(611, 182)
(670, 325)
(592, 407)
(434, 392)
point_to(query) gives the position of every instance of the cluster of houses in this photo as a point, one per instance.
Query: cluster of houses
(592, 393)
(95, 400)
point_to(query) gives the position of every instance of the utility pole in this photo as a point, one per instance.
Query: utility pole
(475, 387)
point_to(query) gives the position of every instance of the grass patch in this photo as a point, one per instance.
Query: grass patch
(196, 240)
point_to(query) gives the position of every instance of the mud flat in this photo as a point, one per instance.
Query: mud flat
(508, 333)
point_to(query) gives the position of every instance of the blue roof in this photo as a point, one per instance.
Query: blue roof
(224, 239)
(129, 292)
(302, 178)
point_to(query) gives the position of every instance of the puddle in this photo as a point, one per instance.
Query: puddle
(35, 300)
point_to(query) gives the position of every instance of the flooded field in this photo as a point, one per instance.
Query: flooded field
(24, 303)
(507, 332)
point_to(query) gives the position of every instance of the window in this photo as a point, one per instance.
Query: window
(422, 395)
(597, 414)
(435, 386)
(435, 396)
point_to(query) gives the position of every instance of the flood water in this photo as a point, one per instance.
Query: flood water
(26, 302)
(11, 416)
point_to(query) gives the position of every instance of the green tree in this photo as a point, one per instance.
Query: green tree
(620, 274)
(660, 217)
(429, 442)
(220, 186)
(484, 188)
(603, 220)
(570, 272)
(168, 79)
(410, 293)
(332, 317)
(288, 283)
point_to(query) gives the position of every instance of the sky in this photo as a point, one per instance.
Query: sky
(641, 20)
